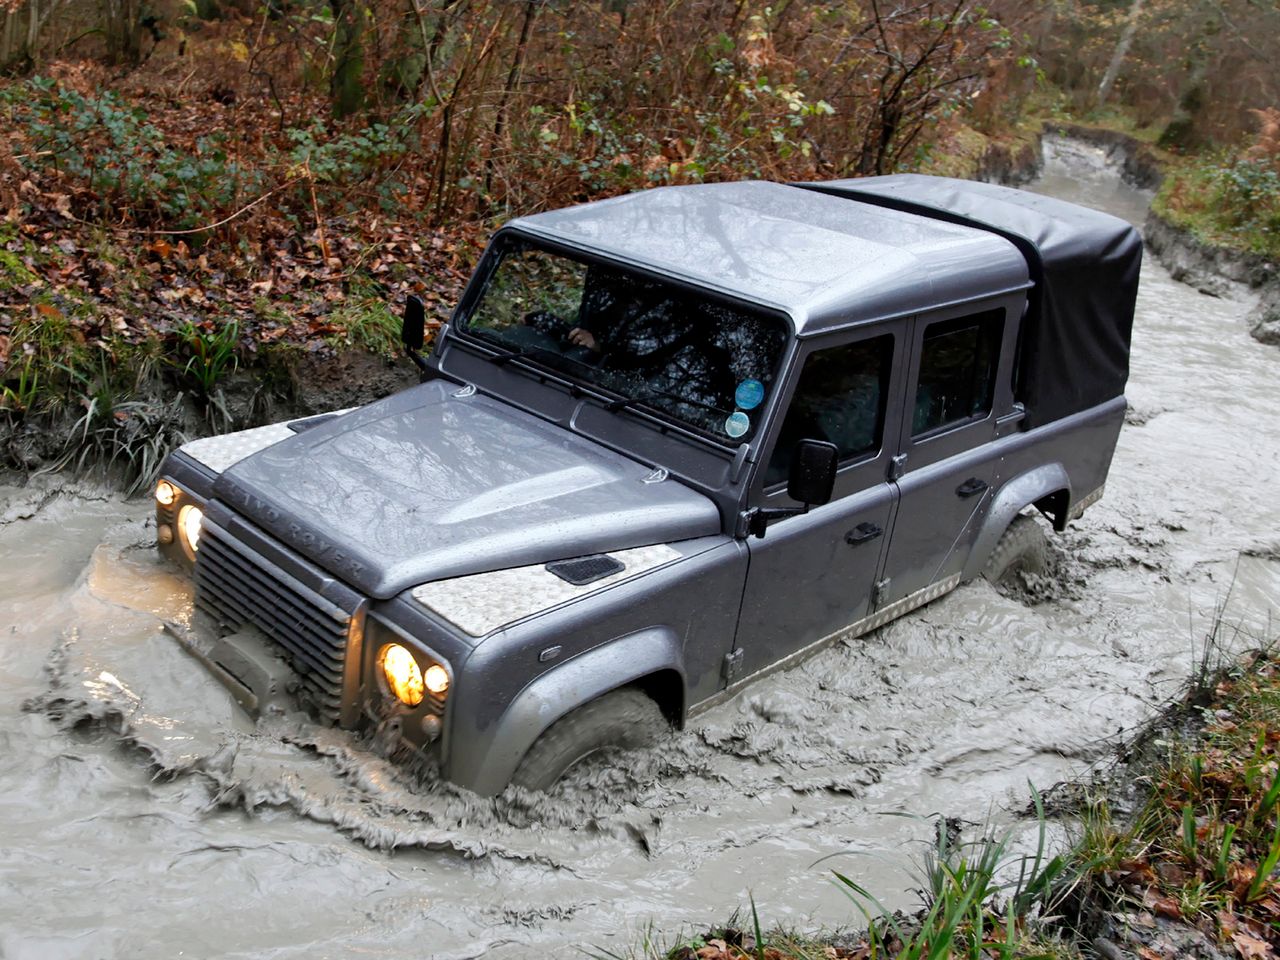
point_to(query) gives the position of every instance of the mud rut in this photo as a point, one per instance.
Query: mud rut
(140, 816)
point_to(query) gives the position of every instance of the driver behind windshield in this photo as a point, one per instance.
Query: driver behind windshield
(648, 341)
(633, 325)
(628, 322)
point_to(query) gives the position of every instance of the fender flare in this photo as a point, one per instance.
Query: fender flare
(1011, 499)
(487, 763)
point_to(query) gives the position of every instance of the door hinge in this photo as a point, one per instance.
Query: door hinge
(732, 665)
(897, 466)
(880, 591)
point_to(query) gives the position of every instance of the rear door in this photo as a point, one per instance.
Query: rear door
(957, 388)
(812, 575)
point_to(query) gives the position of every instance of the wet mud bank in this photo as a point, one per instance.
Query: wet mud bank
(1212, 269)
(1012, 164)
(280, 383)
(143, 815)
(1208, 267)
(1137, 162)
(1264, 320)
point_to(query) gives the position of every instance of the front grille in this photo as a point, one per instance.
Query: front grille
(236, 587)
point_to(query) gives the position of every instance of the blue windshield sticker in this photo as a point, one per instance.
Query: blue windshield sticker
(749, 394)
(737, 424)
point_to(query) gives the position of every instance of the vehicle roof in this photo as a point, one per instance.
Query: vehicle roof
(827, 261)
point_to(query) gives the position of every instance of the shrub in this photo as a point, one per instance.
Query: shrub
(1248, 193)
(371, 158)
(111, 148)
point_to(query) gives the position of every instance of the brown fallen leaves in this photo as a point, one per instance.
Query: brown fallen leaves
(105, 278)
(1213, 827)
(106, 287)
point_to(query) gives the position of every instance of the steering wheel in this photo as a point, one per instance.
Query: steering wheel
(542, 330)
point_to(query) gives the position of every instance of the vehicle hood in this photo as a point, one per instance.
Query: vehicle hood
(427, 484)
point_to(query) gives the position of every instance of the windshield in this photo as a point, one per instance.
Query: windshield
(709, 365)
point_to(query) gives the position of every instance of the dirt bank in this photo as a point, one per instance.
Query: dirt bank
(279, 383)
(1138, 162)
(1014, 163)
(1209, 267)
(1205, 265)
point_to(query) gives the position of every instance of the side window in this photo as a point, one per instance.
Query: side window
(840, 398)
(958, 360)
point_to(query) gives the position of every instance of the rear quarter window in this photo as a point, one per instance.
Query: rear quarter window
(958, 360)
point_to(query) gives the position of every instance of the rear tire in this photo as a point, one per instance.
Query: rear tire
(622, 720)
(1022, 548)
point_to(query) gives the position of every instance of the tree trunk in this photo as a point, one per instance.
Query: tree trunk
(1181, 133)
(9, 51)
(1121, 51)
(122, 25)
(346, 83)
(33, 26)
(513, 77)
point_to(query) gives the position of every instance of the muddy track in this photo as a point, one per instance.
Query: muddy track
(142, 816)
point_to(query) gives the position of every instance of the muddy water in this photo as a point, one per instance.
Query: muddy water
(140, 816)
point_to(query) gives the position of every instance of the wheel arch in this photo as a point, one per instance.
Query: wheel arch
(1047, 487)
(651, 659)
(665, 688)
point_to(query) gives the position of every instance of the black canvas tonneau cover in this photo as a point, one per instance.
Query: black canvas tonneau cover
(1074, 349)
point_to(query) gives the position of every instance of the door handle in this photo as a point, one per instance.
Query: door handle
(862, 533)
(971, 487)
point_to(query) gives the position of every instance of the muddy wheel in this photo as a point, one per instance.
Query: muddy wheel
(621, 720)
(1022, 548)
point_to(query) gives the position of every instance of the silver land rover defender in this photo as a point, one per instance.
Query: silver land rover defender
(667, 443)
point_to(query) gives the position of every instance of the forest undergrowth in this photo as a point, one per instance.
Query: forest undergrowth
(194, 193)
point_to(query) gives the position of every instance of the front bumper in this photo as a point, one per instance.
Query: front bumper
(260, 605)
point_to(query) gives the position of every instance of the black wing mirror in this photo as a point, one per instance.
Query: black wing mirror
(413, 332)
(413, 326)
(811, 481)
(813, 472)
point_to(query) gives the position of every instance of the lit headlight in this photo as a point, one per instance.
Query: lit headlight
(403, 676)
(189, 520)
(166, 493)
(436, 679)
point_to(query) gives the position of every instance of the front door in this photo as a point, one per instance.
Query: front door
(957, 384)
(812, 575)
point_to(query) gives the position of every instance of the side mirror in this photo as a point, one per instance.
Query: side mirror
(413, 326)
(811, 481)
(813, 472)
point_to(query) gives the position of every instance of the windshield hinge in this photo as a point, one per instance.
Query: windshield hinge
(754, 522)
(739, 462)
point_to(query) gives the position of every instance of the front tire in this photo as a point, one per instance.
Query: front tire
(622, 720)
(1022, 548)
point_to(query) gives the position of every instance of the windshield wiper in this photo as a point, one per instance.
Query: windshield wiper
(508, 355)
(614, 405)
